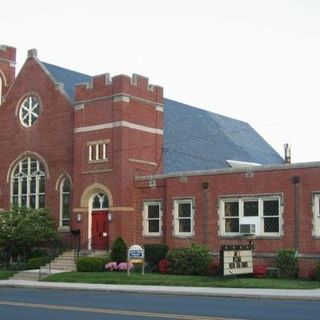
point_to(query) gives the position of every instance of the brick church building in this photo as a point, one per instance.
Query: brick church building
(111, 156)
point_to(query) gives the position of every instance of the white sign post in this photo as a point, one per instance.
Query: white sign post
(135, 256)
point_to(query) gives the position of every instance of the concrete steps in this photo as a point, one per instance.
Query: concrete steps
(66, 262)
(63, 263)
(31, 275)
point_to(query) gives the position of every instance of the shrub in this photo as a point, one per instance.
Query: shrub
(37, 253)
(287, 262)
(36, 263)
(90, 264)
(317, 272)
(213, 268)
(119, 251)
(260, 271)
(193, 260)
(154, 253)
(164, 266)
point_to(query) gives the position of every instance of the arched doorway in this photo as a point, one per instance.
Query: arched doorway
(99, 222)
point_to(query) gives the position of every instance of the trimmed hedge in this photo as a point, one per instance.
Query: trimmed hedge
(193, 260)
(90, 264)
(36, 263)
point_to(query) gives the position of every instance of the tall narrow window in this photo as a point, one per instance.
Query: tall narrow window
(28, 184)
(152, 218)
(183, 217)
(65, 203)
(316, 214)
(0, 90)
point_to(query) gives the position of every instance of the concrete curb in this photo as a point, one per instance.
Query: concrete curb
(190, 291)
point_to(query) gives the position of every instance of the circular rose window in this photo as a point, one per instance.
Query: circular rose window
(29, 111)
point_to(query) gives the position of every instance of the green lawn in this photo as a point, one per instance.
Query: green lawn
(5, 274)
(177, 280)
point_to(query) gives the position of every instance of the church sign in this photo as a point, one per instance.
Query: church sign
(236, 259)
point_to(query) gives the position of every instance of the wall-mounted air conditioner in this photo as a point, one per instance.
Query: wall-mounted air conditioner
(248, 228)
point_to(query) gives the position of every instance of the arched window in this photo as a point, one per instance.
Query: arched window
(28, 184)
(0, 90)
(65, 203)
(100, 201)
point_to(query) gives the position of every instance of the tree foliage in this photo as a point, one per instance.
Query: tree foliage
(119, 250)
(21, 228)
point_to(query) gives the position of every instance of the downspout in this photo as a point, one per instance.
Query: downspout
(296, 222)
(205, 190)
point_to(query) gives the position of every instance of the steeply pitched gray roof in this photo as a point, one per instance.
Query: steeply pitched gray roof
(68, 77)
(194, 139)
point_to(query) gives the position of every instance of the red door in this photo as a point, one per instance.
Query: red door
(99, 230)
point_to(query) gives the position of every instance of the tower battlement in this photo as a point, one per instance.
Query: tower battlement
(8, 53)
(104, 86)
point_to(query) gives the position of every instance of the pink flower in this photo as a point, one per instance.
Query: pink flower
(124, 266)
(111, 266)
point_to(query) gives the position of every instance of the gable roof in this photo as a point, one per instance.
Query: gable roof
(197, 139)
(194, 139)
(69, 78)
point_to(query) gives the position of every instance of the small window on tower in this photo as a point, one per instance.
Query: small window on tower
(98, 151)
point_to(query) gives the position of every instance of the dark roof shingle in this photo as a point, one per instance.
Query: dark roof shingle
(194, 139)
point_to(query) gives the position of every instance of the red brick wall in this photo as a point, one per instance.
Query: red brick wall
(7, 67)
(130, 151)
(50, 137)
(239, 183)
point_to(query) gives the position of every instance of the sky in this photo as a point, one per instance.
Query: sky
(253, 60)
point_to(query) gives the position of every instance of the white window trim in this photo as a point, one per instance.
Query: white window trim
(316, 214)
(37, 174)
(175, 211)
(260, 217)
(145, 223)
(97, 151)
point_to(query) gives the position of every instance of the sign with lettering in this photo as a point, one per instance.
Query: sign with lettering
(236, 259)
(136, 254)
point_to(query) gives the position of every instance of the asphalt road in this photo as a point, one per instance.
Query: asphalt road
(35, 304)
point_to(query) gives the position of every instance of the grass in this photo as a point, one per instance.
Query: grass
(179, 280)
(5, 274)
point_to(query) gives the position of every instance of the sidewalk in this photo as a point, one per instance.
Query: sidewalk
(214, 292)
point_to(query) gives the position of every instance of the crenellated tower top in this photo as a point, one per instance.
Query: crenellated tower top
(103, 86)
(7, 69)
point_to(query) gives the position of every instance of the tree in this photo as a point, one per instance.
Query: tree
(119, 250)
(21, 228)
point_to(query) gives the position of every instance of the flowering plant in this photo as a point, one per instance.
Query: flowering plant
(111, 266)
(260, 271)
(123, 266)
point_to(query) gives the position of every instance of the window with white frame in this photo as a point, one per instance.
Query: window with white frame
(100, 201)
(152, 218)
(98, 151)
(260, 215)
(316, 214)
(28, 184)
(183, 213)
(65, 203)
